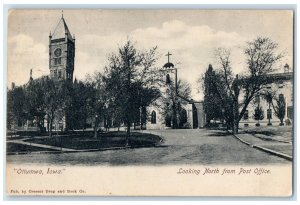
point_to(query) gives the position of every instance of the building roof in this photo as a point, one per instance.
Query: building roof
(61, 30)
(269, 78)
(169, 65)
(281, 76)
(190, 101)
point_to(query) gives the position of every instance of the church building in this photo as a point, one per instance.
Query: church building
(172, 110)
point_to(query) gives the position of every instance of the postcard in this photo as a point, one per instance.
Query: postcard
(150, 102)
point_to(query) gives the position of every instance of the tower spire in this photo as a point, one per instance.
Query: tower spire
(62, 14)
(30, 78)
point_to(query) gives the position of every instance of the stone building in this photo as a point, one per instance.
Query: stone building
(282, 86)
(61, 52)
(61, 63)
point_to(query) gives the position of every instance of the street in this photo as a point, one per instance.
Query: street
(186, 146)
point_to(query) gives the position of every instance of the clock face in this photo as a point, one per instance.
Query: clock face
(57, 52)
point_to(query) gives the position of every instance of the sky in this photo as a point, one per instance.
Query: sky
(190, 35)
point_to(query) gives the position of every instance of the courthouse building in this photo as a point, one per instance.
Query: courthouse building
(282, 85)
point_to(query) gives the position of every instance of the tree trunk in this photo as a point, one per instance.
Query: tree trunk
(95, 132)
(281, 122)
(127, 134)
(95, 128)
(50, 128)
(174, 119)
(269, 123)
(235, 128)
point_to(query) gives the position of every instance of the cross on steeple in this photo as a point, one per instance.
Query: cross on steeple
(168, 54)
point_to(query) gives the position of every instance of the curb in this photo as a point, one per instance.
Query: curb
(267, 150)
(85, 150)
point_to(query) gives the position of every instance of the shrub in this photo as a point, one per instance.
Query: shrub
(288, 122)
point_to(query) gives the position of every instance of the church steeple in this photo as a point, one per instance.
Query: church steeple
(62, 30)
(61, 52)
(30, 78)
(169, 64)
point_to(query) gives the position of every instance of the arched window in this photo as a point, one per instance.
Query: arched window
(168, 80)
(153, 117)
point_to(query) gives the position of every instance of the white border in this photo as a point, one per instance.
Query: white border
(217, 4)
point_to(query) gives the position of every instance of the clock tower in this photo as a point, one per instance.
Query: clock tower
(61, 52)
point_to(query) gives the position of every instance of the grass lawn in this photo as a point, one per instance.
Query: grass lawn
(13, 147)
(270, 130)
(104, 140)
(280, 132)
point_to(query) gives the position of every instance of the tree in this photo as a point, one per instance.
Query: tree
(130, 78)
(36, 104)
(280, 108)
(261, 56)
(212, 104)
(16, 107)
(269, 95)
(54, 100)
(258, 114)
(258, 111)
(78, 106)
(38, 99)
(173, 102)
(184, 93)
(97, 99)
(82, 95)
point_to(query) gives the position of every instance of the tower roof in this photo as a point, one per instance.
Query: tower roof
(61, 30)
(169, 64)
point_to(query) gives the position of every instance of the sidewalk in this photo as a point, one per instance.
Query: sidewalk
(41, 145)
(278, 146)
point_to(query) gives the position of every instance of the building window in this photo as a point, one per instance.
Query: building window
(246, 115)
(55, 73)
(269, 113)
(59, 74)
(57, 61)
(290, 112)
(281, 97)
(280, 84)
(153, 117)
(168, 80)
